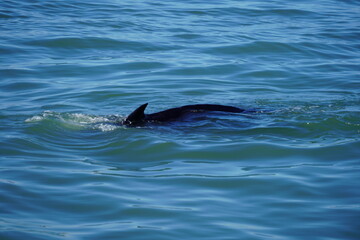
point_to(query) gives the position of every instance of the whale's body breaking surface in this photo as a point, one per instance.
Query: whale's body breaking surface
(139, 117)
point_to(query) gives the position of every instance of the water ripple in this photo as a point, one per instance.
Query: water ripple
(70, 70)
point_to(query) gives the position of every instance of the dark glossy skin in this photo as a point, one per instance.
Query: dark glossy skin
(138, 117)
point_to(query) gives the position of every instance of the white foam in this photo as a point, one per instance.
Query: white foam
(34, 119)
(85, 119)
(106, 127)
(76, 120)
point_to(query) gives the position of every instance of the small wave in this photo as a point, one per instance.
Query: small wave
(255, 47)
(98, 43)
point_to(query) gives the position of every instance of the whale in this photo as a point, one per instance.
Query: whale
(138, 116)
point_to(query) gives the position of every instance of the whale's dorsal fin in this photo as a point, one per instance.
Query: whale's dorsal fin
(136, 116)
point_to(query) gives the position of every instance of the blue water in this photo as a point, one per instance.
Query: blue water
(69, 70)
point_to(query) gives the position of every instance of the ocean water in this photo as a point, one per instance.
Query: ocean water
(69, 70)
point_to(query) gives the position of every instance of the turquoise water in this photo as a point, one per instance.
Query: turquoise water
(70, 69)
